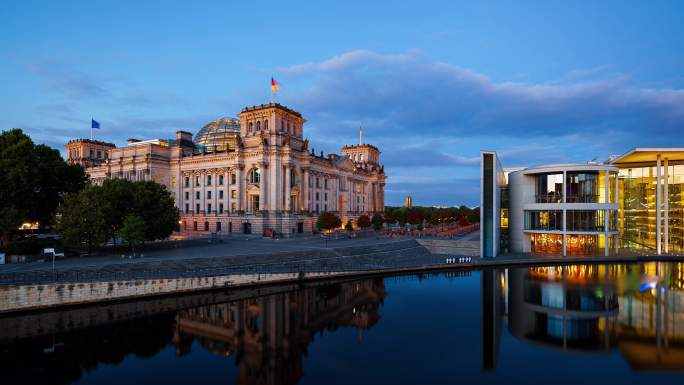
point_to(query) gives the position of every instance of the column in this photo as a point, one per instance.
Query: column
(658, 207)
(304, 199)
(240, 188)
(666, 198)
(565, 216)
(606, 213)
(288, 197)
(262, 187)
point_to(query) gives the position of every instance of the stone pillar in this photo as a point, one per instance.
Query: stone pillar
(262, 187)
(658, 208)
(306, 201)
(241, 189)
(288, 198)
(617, 204)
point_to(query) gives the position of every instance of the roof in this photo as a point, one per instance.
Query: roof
(642, 155)
(271, 105)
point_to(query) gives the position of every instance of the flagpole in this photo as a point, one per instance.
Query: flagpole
(91, 128)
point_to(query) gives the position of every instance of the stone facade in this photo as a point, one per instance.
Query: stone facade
(271, 181)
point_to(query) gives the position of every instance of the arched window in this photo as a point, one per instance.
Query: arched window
(258, 125)
(249, 127)
(254, 175)
(265, 125)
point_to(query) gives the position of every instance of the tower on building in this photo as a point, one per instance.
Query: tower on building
(409, 202)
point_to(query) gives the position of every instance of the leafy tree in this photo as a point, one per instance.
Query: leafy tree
(133, 230)
(390, 219)
(119, 197)
(328, 221)
(82, 220)
(33, 181)
(377, 222)
(363, 221)
(153, 203)
(415, 216)
(349, 226)
(402, 216)
(463, 221)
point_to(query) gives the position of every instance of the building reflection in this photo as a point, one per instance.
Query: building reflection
(269, 336)
(637, 309)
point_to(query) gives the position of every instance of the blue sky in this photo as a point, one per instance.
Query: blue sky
(432, 82)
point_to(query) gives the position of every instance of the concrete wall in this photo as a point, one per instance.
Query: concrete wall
(25, 297)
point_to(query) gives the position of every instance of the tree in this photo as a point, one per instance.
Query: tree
(390, 219)
(133, 230)
(328, 221)
(363, 221)
(463, 221)
(82, 220)
(153, 203)
(33, 181)
(415, 216)
(349, 226)
(377, 222)
(118, 203)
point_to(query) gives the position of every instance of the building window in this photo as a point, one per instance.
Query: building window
(220, 180)
(317, 207)
(99, 154)
(187, 195)
(325, 207)
(209, 194)
(208, 208)
(249, 128)
(544, 220)
(208, 180)
(254, 176)
(325, 183)
(92, 153)
(233, 207)
(265, 125)
(218, 226)
(187, 181)
(187, 208)
(220, 208)
(194, 225)
(173, 181)
(197, 195)
(233, 194)
(197, 208)
(326, 197)
(206, 226)
(233, 179)
(220, 194)
(317, 196)
(282, 125)
(318, 182)
(255, 203)
(197, 181)
(258, 125)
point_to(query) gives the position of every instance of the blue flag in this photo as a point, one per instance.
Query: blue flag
(94, 124)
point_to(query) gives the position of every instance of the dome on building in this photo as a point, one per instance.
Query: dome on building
(219, 135)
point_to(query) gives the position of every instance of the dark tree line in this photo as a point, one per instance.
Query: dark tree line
(431, 215)
(33, 182)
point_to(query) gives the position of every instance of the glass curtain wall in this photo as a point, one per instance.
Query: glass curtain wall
(637, 219)
(549, 188)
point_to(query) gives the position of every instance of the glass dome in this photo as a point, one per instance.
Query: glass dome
(219, 135)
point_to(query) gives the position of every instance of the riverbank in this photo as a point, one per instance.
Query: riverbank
(39, 287)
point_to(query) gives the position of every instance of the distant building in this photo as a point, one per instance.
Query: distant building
(409, 201)
(261, 177)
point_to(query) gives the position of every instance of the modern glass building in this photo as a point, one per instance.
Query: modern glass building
(586, 209)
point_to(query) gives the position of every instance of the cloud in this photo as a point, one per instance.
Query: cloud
(408, 92)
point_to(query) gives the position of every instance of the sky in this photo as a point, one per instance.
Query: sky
(432, 82)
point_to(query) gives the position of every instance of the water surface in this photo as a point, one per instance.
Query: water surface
(545, 325)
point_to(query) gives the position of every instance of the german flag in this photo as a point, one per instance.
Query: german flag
(274, 85)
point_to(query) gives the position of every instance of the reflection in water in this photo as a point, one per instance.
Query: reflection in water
(264, 335)
(637, 309)
(267, 335)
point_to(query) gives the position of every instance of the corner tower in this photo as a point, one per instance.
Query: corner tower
(362, 154)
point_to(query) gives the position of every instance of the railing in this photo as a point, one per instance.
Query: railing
(582, 198)
(548, 198)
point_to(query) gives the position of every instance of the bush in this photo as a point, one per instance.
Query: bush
(363, 221)
(349, 226)
(377, 222)
(328, 221)
(30, 245)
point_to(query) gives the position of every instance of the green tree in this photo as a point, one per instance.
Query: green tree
(33, 181)
(363, 221)
(328, 221)
(133, 231)
(82, 222)
(153, 203)
(119, 195)
(349, 226)
(377, 222)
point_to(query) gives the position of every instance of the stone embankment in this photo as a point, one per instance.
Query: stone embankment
(45, 289)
